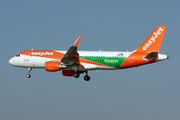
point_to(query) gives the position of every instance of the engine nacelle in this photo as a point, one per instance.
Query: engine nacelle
(54, 66)
(68, 72)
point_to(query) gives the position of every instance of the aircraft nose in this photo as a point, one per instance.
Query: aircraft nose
(11, 61)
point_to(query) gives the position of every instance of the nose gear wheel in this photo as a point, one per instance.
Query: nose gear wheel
(29, 75)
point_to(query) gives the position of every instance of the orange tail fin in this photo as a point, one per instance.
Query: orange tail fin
(153, 42)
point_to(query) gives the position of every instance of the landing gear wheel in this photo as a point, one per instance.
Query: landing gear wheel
(76, 75)
(28, 75)
(86, 78)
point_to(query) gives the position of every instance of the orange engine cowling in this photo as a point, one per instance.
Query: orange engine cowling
(52, 66)
(68, 72)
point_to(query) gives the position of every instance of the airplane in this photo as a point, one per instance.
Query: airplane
(73, 62)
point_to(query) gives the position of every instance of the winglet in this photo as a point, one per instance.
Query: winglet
(77, 41)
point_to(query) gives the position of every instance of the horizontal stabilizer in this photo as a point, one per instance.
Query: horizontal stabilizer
(152, 55)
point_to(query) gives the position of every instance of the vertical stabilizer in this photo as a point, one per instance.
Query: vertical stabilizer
(153, 42)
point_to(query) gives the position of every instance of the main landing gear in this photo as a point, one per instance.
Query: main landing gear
(86, 77)
(76, 75)
(29, 75)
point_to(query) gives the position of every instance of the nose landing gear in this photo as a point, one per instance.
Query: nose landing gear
(29, 75)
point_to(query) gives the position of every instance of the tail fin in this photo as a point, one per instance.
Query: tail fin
(153, 42)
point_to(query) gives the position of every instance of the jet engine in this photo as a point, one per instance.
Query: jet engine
(52, 66)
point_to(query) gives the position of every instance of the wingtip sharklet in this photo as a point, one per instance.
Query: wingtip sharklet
(77, 41)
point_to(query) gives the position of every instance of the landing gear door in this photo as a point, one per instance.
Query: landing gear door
(26, 57)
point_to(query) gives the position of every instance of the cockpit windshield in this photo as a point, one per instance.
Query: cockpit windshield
(18, 55)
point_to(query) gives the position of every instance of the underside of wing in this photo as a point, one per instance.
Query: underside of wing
(72, 56)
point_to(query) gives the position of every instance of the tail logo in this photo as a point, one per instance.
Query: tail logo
(153, 38)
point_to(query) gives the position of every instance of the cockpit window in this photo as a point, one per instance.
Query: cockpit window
(18, 55)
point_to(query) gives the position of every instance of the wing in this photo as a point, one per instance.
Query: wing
(72, 56)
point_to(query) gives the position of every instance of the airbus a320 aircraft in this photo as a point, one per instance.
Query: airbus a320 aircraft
(74, 63)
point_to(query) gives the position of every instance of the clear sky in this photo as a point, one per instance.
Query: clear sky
(149, 92)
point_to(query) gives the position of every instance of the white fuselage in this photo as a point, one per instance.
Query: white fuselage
(26, 61)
